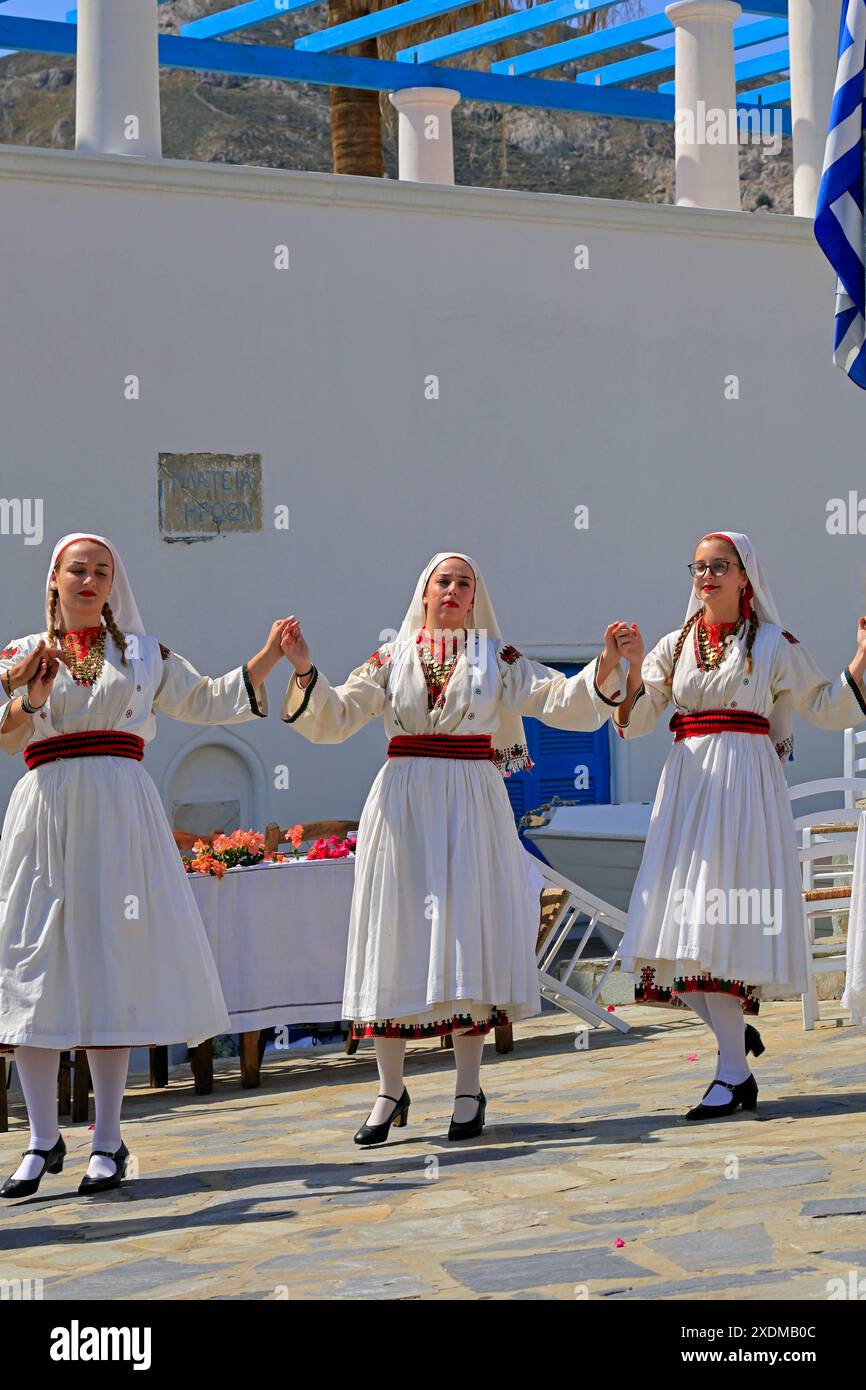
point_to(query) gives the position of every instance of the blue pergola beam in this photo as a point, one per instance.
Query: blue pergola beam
(553, 55)
(629, 68)
(528, 21)
(773, 95)
(367, 74)
(496, 30)
(240, 17)
(778, 8)
(400, 16)
(72, 14)
(753, 67)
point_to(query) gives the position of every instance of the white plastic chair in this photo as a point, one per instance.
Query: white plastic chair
(821, 837)
(853, 761)
(578, 901)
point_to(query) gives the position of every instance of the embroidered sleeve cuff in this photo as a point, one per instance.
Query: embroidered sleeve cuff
(610, 690)
(296, 696)
(621, 727)
(857, 690)
(258, 705)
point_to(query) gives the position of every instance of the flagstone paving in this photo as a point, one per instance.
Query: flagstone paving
(586, 1182)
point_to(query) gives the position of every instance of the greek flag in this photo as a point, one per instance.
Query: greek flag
(839, 212)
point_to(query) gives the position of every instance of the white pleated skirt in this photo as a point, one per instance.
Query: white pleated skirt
(719, 891)
(101, 941)
(444, 921)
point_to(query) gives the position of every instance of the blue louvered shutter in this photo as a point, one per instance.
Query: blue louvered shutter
(557, 753)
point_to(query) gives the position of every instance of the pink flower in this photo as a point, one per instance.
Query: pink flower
(692, 1057)
(618, 1244)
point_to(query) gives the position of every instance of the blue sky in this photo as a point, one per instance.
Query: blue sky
(56, 9)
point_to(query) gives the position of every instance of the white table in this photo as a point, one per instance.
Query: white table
(854, 997)
(279, 934)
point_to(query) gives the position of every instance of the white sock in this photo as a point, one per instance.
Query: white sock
(390, 1053)
(467, 1059)
(37, 1069)
(726, 1021)
(108, 1071)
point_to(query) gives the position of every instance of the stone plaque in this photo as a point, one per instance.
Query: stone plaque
(207, 495)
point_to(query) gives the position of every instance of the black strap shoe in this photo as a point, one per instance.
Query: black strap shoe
(744, 1093)
(25, 1187)
(467, 1129)
(89, 1185)
(377, 1134)
(754, 1043)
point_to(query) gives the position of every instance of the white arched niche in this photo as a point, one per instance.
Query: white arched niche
(213, 770)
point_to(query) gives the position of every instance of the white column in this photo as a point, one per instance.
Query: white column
(425, 139)
(707, 170)
(813, 36)
(117, 78)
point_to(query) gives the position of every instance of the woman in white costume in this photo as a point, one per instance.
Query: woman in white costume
(443, 922)
(716, 914)
(101, 944)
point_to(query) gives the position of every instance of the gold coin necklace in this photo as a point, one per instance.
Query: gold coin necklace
(85, 653)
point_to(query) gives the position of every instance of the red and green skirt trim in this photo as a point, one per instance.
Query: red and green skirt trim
(386, 1028)
(647, 991)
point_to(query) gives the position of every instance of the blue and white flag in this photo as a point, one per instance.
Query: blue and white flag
(839, 211)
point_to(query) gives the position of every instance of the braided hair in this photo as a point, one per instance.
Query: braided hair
(690, 622)
(111, 625)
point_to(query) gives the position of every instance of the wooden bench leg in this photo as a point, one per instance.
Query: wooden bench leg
(64, 1084)
(446, 1040)
(4, 1100)
(159, 1066)
(504, 1038)
(352, 1045)
(201, 1060)
(264, 1038)
(251, 1067)
(80, 1087)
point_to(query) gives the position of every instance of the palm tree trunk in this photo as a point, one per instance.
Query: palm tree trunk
(356, 122)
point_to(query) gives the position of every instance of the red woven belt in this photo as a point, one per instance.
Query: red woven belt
(718, 721)
(107, 743)
(477, 746)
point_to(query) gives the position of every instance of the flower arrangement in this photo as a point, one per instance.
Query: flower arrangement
(244, 848)
(333, 847)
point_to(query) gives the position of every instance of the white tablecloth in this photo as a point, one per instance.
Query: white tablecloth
(854, 997)
(279, 934)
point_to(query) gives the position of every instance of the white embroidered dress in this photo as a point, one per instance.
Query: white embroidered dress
(101, 941)
(722, 826)
(443, 922)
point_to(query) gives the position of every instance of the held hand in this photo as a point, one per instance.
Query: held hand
(631, 645)
(294, 646)
(861, 636)
(39, 688)
(275, 636)
(611, 647)
(24, 670)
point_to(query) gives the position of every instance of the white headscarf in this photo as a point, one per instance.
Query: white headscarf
(121, 599)
(510, 747)
(781, 717)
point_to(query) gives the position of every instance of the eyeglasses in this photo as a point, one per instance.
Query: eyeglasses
(716, 568)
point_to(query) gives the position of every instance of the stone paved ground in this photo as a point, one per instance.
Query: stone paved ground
(262, 1194)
